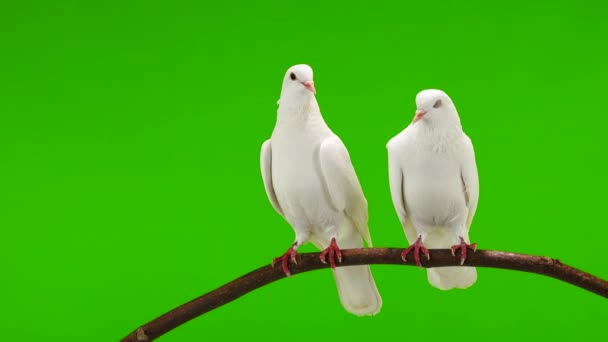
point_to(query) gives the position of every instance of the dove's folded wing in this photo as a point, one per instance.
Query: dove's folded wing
(266, 166)
(396, 179)
(342, 184)
(470, 180)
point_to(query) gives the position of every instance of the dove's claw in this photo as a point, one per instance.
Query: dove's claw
(334, 251)
(284, 260)
(425, 251)
(417, 247)
(463, 249)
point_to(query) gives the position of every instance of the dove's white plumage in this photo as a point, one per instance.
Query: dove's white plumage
(310, 181)
(434, 184)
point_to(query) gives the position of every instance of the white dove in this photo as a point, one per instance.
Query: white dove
(434, 186)
(310, 181)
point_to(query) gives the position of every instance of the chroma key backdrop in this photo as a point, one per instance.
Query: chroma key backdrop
(130, 182)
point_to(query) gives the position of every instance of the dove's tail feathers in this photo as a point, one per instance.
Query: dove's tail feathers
(447, 278)
(357, 290)
(356, 285)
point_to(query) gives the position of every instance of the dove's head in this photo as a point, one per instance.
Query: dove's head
(435, 108)
(298, 82)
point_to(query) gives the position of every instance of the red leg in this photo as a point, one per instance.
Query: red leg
(284, 259)
(333, 250)
(417, 247)
(463, 249)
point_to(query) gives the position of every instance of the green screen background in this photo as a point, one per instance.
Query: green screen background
(129, 161)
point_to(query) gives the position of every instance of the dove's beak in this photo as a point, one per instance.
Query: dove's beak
(419, 114)
(310, 85)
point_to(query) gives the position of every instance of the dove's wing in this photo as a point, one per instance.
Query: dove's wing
(266, 166)
(470, 180)
(342, 184)
(396, 178)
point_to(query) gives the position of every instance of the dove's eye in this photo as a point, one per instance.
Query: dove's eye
(437, 104)
(293, 76)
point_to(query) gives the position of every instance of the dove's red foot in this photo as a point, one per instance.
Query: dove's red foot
(284, 260)
(333, 250)
(463, 249)
(417, 247)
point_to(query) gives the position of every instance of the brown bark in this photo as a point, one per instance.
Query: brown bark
(363, 256)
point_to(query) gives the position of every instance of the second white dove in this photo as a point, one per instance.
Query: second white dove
(434, 186)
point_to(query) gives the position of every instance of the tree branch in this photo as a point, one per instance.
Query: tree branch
(362, 256)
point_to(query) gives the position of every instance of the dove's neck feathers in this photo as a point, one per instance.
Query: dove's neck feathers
(439, 134)
(298, 108)
(446, 121)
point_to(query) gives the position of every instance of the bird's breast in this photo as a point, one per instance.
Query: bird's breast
(433, 190)
(298, 183)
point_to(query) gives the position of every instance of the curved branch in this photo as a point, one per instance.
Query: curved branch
(362, 256)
